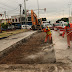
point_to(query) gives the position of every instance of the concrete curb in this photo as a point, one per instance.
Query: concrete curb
(13, 47)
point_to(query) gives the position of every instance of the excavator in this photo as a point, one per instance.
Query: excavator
(36, 22)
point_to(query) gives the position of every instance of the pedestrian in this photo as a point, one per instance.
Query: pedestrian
(48, 34)
(68, 30)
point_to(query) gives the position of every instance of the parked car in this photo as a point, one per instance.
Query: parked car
(26, 26)
(17, 26)
(62, 28)
(46, 23)
(50, 26)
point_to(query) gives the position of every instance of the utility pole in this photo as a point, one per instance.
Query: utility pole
(71, 12)
(38, 7)
(5, 13)
(20, 15)
(5, 16)
(25, 12)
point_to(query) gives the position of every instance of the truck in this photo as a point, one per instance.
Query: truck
(61, 29)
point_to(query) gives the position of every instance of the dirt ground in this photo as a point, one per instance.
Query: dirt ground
(30, 47)
(30, 57)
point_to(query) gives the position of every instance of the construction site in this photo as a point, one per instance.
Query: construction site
(27, 52)
(30, 42)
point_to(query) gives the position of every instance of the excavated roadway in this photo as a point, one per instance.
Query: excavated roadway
(38, 57)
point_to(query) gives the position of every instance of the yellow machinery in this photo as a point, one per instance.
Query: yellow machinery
(36, 23)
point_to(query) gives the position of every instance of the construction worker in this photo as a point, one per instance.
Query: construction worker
(68, 30)
(48, 34)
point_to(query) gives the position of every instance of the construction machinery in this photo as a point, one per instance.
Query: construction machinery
(36, 22)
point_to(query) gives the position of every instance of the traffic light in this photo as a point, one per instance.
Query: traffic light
(23, 11)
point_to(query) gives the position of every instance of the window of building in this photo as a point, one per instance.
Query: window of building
(12, 20)
(29, 18)
(19, 19)
(23, 19)
(16, 20)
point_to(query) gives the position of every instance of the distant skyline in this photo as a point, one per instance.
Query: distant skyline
(55, 9)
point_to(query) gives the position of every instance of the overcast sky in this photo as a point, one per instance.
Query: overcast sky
(54, 8)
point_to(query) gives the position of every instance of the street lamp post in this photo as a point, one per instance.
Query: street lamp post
(20, 15)
(38, 7)
(25, 12)
(71, 11)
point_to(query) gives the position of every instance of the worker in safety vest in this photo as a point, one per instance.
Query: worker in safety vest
(68, 30)
(48, 33)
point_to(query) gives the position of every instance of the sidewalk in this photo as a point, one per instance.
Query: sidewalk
(6, 34)
(7, 42)
(63, 54)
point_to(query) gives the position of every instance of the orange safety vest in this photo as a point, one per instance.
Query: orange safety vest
(47, 30)
(68, 29)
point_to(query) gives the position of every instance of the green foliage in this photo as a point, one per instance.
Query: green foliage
(4, 26)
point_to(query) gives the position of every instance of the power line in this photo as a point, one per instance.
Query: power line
(6, 5)
(14, 9)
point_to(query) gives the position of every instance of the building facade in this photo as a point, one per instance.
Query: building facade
(17, 23)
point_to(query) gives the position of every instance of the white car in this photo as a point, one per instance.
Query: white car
(26, 26)
(45, 24)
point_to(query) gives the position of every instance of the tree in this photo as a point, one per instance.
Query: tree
(4, 26)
